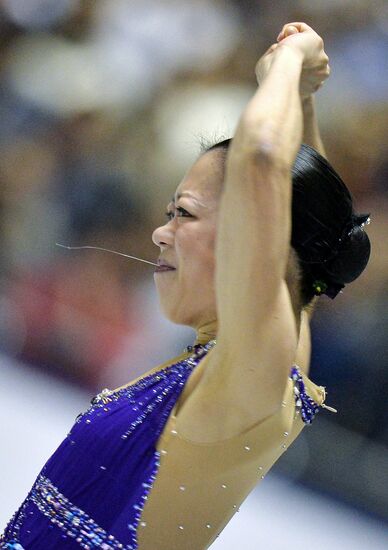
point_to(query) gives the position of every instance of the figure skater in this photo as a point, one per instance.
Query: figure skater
(259, 227)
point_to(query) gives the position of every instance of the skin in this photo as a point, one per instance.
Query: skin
(252, 250)
(187, 242)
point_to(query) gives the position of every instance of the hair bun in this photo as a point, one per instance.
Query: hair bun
(352, 255)
(329, 254)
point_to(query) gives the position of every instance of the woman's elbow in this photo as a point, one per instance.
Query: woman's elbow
(261, 145)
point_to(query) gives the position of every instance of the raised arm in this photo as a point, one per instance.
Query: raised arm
(257, 335)
(311, 133)
(258, 176)
(245, 374)
(308, 85)
(312, 137)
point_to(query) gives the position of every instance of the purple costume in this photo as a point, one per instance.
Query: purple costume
(91, 492)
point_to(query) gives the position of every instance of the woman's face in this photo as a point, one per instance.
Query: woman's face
(187, 243)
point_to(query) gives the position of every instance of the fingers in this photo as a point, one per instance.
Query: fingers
(320, 75)
(289, 28)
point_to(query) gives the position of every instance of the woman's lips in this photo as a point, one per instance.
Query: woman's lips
(161, 268)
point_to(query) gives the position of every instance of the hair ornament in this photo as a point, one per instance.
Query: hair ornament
(319, 287)
(365, 220)
(357, 220)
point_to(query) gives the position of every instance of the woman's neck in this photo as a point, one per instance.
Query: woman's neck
(206, 332)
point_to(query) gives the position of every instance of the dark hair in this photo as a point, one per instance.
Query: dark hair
(327, 235)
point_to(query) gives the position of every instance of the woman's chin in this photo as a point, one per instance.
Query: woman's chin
(168, 311)
(175, 316)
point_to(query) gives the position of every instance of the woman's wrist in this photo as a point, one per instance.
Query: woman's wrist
(308, 103)
(281, 60)
(296, 52)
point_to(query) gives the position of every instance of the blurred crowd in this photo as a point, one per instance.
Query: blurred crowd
(103, 104)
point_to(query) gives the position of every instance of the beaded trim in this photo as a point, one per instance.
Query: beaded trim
(74, 521)
(139, 507)
(308, 407)
(199, 351)
(13, 527)
(130, 392)
(12, 545)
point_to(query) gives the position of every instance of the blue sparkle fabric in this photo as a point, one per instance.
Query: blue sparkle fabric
(92, 490)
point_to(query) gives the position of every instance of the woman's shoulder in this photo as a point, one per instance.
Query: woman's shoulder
(208, 416)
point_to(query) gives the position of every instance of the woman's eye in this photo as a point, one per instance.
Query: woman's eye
(181, 212)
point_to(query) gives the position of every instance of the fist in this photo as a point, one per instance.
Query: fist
(302, 38)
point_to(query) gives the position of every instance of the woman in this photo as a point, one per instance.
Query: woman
(165, 462)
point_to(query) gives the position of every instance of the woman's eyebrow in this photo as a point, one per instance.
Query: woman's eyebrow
(189, 195)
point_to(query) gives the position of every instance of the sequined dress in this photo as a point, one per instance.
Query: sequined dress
(93, 490)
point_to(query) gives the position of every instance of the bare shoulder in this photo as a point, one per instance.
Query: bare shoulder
(242, 384)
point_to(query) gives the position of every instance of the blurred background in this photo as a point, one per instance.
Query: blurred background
(103, 104)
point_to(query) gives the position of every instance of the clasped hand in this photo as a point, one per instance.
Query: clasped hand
(303, 39)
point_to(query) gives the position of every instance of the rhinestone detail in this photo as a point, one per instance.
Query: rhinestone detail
(106, 403)
(307, 407)
(72, 520)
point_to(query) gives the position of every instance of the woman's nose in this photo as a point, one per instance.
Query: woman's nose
(163, 236)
